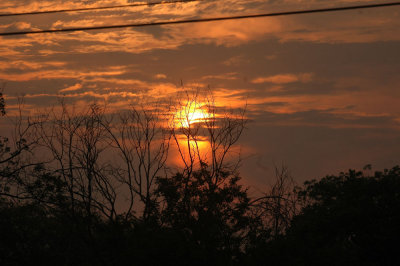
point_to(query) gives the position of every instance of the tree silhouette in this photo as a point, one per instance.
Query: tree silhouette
(16, 151)
(142, 142)
(279, 204)
(214, 216)
(75, 144)
(350, 219)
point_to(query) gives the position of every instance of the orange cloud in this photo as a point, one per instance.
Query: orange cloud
(226, 76)
(284, 78)
(58, 74)
(228, 33)
(160, 76)
(29, 65)
(75, 87)
(22, 25)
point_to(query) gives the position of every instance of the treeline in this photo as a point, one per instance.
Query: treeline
(84, 187)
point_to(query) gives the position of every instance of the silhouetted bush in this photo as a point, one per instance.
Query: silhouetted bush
(350, 219)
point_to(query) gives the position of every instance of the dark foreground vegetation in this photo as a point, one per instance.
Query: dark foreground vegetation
(76, 208)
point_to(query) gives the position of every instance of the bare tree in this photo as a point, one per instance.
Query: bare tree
(185, 127)
(83, 147)
(109, 163)
(142, 141)
(224, 129)
(16, 151)
(205, 134)
(76, 142)
(279, 204)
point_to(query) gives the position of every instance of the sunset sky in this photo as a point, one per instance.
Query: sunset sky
(322, 90)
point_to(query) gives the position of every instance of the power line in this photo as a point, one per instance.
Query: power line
(98, 8)
(286, 13)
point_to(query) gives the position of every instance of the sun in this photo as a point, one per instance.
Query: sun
(190, 113)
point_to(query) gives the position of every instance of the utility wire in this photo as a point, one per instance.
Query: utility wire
(98, 8)
(205, 19)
